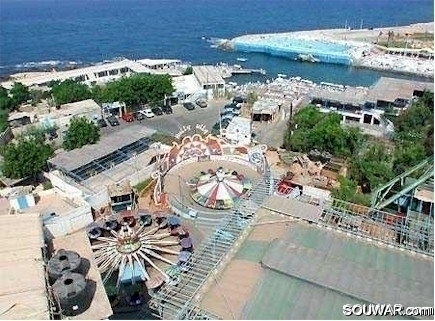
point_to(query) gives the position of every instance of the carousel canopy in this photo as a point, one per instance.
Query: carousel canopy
(221, 189)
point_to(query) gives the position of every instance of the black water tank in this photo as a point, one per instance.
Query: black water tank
(63, 261)
(70, 291)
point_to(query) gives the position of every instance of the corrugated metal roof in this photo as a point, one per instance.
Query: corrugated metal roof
(70, 160)
(22, 285)
(312, 272)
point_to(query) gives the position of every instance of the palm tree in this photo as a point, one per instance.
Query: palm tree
(390, 37)
(379, 35)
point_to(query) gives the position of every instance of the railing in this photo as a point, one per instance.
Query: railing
(179, 302)
(414, 233)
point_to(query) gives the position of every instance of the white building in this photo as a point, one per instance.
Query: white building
(210, 79)
(96, 74)
(370, 122)
(238, 131)
(186, 86)
(62, 116)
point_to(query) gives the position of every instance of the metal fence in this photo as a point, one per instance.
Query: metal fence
(179, 301)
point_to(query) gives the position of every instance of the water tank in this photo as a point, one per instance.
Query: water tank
(63, 261)
(70, 292)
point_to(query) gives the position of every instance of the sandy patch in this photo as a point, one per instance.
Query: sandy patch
(228, 295)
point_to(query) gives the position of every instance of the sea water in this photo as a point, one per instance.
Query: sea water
(55, 33)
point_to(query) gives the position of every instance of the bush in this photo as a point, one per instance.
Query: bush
(47, 185)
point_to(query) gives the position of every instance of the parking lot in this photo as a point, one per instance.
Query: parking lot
(172, 123)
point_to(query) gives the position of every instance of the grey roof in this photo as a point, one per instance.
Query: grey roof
(207, 75)
(70, 160)
(349, 95)
(388, 89)
(293, 207)
(312, 272)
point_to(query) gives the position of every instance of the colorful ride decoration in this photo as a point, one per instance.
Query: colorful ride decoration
(193, 146)
(132, 246)
(219, 189)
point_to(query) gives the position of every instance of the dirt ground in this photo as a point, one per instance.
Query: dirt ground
(227, 296)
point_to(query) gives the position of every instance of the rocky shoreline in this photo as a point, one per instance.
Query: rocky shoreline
(363, 47)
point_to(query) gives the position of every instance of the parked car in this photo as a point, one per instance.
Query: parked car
(157, 111)
(113, 121)
(128, 117)
(101, 122)
(227, 112)
(167, 109)
(189, 106)
(239, 99)
(201, 103)
(139, 116)
(147, 113)
(227, 116)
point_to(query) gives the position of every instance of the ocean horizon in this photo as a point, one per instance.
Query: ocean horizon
(52, 34)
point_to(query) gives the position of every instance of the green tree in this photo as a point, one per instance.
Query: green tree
(6, 102)
(407, 155)
(25, 158)
(69, 91)
(372, 167)
(347, 189)
(251, 98)
(311, 129)
(136, 89)
(188, 71)
(3, 120)
(81, 131)
(20, 94)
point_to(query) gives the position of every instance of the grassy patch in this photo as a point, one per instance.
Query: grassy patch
(47, 185)
(163, 138)
(141, 185)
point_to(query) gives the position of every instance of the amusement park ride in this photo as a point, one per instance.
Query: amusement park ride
(137, 251)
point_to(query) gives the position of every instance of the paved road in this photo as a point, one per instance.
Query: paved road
(271, 134)
(172, 123)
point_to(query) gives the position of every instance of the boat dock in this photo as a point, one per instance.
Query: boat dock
(230, 70)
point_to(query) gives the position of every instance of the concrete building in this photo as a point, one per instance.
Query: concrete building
(369, 121)
(265, 110)
(171, 66)
(238, 131)
(210, 79)
(61, 117)
(116, 108)
(88, 75)
(396, 92)
(85, 173)
(186, 86)
(23, 293)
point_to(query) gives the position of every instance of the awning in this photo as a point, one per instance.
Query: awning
(424, 195)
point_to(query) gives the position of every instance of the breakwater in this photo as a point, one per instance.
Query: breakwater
(293, 48)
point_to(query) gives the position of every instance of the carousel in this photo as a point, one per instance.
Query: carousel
(219, 189)
(139, 252)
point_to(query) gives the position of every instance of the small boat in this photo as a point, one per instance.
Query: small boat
(282, 75)
(242, 59)
(307, 58)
